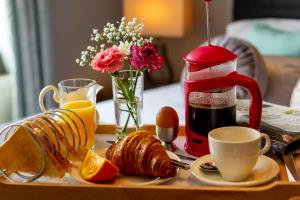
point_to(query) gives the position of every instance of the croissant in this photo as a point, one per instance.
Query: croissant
(140, 153)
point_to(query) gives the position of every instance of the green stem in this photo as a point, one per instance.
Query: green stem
(129, 95)
(134, 88)
(125, 110)
(135, 83)
(126, 124)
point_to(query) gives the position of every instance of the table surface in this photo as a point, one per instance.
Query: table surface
(153, 100)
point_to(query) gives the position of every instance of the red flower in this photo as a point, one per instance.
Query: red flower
(109, 60)
(145, 56)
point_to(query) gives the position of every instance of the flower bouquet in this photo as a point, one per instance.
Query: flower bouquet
(121, 51)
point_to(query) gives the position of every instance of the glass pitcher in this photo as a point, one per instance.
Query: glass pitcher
(210, 109)
(78, 95)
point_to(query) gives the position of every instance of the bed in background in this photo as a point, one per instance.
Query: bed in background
(273, 26)
(283, 71)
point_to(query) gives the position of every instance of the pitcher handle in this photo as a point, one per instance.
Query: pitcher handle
(98, 88)
(255, 109)
(44, 92)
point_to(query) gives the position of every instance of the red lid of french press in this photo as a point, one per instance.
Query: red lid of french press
(209, 56)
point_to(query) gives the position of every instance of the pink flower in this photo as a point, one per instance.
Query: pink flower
(145, 56)
(109, 60)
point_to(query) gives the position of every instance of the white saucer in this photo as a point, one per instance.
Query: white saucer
(128, 180)
(264, 171)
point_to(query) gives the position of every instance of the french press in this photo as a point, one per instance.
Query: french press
(210, 94)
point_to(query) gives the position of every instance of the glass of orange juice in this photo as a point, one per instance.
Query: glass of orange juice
(78, 95)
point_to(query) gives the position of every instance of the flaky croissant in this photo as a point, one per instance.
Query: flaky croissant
(140, 153)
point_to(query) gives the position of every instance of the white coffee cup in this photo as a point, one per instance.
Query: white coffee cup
(235, 150)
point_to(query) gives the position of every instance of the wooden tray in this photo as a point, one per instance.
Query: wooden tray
(281, 189)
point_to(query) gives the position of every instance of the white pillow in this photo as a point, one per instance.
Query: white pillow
(295, 99)
(240, 28)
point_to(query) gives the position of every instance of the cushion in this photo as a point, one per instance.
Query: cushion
(283, 73)
(239, 28)
(295, 99)
(274, 41)
(249, 63)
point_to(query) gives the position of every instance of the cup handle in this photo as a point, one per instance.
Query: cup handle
(99, 87)
(43, 93)
(267, 144)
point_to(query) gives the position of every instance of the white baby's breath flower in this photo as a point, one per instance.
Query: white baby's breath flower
(109, 35)
(95, 31)
(83, 57)
(84, 53)
(124, 47)
(122, 34)
(97, 37)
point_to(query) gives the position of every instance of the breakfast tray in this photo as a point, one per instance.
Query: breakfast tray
(68, 188)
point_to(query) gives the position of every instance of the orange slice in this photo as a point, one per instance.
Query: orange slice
(98, 169)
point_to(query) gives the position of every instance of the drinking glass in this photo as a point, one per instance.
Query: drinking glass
(128, 88)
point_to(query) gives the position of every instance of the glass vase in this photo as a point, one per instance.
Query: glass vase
(128, 88)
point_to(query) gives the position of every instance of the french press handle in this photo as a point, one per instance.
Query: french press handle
(255, 109)
(231, 80)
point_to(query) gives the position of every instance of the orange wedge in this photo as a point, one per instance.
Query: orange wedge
(98, 169)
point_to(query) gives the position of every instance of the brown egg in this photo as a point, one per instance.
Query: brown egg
(167, 117)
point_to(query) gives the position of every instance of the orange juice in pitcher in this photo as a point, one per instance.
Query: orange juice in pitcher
(87, 112)
(79, 96)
